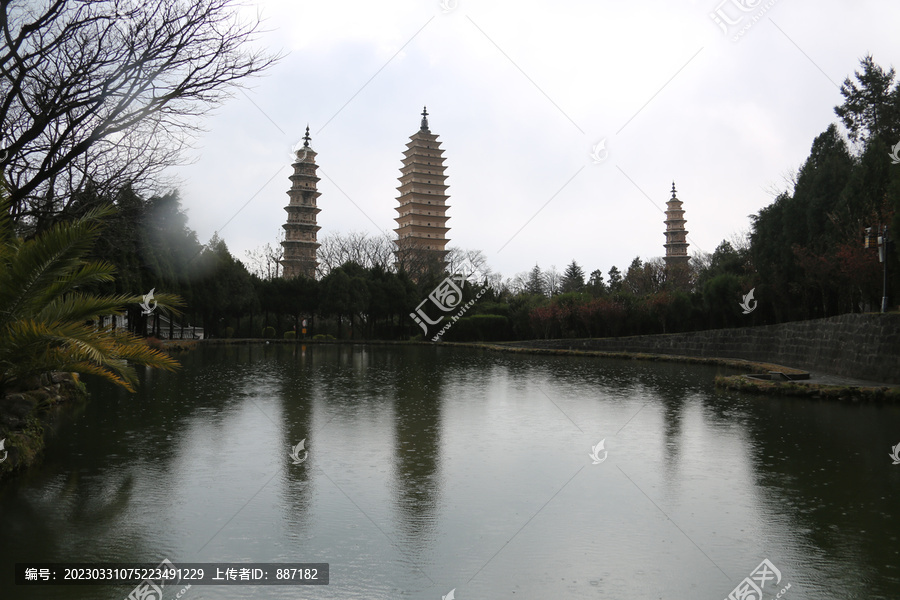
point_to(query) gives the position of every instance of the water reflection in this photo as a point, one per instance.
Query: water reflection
(435, 468)
(418, 398)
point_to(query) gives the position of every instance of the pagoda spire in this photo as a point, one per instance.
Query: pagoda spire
(676, 236)
(300, 231)
(422, 204)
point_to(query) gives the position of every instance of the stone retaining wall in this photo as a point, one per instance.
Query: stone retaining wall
(863, 346)
(25, 417)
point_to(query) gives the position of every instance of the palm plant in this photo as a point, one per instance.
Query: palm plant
(46, 317)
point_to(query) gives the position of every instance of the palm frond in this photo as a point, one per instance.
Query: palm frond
(29, 280)
(44, 315)
(86, 274)
(81, 307)
(164, 300)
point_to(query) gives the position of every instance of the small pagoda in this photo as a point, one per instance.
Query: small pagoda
(676, 236)
(300, 231)
(422, 211)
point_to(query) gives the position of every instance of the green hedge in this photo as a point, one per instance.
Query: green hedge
(290, 335)
(479, 328)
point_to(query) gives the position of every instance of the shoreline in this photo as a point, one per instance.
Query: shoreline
(799, 384)
(26, 417)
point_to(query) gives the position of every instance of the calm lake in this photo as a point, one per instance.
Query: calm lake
(436, 469)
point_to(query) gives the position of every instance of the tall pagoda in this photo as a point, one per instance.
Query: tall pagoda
(300, 231)
(676, 237)
(422, 211)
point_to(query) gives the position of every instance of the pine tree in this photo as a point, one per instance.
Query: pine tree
(536, 282)
(615, 279)
(870, 109)
(596, 283)
(573, 278)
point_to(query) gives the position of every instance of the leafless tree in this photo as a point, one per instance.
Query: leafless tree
(787, 185)
(700, 261)
(471, 264)
(494, 281)
(740, 240)
(418, 260)
(265, 261)
(517, 284)
(98, 94)
(357, 246)
(371, 250)
(553, 279)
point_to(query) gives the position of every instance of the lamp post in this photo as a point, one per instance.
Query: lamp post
(883, 240)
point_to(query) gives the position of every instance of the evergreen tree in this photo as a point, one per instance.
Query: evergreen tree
(632, 281)
(537, 284)
(725, 259)
(615, 279)
(811, 215)
(336, 296)
(596, 284)
(573, 278)
(871, 109)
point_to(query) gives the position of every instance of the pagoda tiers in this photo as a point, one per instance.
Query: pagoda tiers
(422, 219)
(300, 231)
(676, 237)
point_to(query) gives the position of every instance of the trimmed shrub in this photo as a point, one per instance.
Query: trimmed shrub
(268, 332)
(479, 328)
(229, 332)
(290, 335)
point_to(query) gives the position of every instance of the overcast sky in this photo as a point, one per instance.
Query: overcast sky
(520, 93)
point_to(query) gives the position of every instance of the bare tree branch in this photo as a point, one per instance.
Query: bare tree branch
(359, 247)
(265, 261)
(105, 93)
